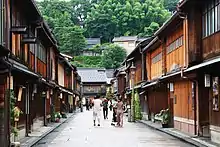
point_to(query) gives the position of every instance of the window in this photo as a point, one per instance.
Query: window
(1, 21)
(157, 58)
(175, 45)
(41, 52)
(32, 48)
(211, 18)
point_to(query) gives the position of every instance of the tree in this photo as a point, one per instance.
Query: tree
(113, 55)
(61, 19)
(170, 4)
(71, 39)
(110, 18)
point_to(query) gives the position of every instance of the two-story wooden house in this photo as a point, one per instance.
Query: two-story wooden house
(29, 64)
(33, 58)
(66, 83)
(181, 64)
(203, 58)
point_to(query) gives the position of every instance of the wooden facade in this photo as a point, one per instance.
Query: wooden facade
(174, 49)
(33, 69)
(180, 61)
(155, 63)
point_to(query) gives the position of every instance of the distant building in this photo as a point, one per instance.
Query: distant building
(90, 43)
(95, 81)
(127, 42)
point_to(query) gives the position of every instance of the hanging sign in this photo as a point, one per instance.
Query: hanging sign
(207, 80)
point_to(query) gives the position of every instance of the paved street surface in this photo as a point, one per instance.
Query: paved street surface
(80, 132)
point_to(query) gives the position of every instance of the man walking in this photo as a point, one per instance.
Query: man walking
(105, 108)
(97, 109)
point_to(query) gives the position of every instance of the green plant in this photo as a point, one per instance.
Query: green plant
(14, 113)
(58, 115)
(165, 116)
(17, 112)
(138, 115)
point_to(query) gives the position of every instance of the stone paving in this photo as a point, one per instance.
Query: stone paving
(80, 132)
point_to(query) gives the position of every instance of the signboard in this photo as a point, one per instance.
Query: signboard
(207, 80)
(171, 87)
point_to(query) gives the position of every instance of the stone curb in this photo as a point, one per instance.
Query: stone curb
(185, 139)
(47, 132)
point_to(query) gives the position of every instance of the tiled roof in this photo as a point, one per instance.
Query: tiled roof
(110, 73)
(125, 38)
(92, 75)
(93, 41)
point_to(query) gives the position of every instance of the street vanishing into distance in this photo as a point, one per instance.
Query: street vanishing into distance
(79, 131)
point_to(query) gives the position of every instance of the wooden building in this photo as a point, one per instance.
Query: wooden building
(29, 69)
(94, 82)
(181, 65)
(127, 81)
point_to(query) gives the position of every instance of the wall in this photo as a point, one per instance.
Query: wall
(155, 68)
(183, 106)
(211, 46)
(128, 45)
(138, 71)
(60, 75)
(175, 49)
(157, 99)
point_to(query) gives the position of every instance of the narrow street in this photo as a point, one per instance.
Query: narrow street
(79, 131)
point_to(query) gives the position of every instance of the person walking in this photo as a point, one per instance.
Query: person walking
(105, 108)
(87, 104)
(97, 104)
(120, 112)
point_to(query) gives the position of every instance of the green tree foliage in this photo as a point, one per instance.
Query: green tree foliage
(62, 21)
(87, 61)
(111, 18)
(170, 4)
(71, 40)
(102, 18)
(112, 56)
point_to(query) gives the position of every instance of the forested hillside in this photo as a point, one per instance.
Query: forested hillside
(73, 21)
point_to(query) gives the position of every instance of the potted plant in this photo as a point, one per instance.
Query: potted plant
(17, 112)
(57, 117)
(165, 119)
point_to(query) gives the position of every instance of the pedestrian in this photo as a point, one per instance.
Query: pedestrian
(120, 112)
(110, 105)
(97, 104)
(105, 108)
(87, 104)
(114, 118)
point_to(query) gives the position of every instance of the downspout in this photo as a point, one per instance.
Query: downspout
(35, 49)
(142, 64)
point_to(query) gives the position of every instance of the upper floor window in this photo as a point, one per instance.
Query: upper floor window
(175, 45)
(157, 58)
(41, 52)
(1, 21)
(211, 18)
